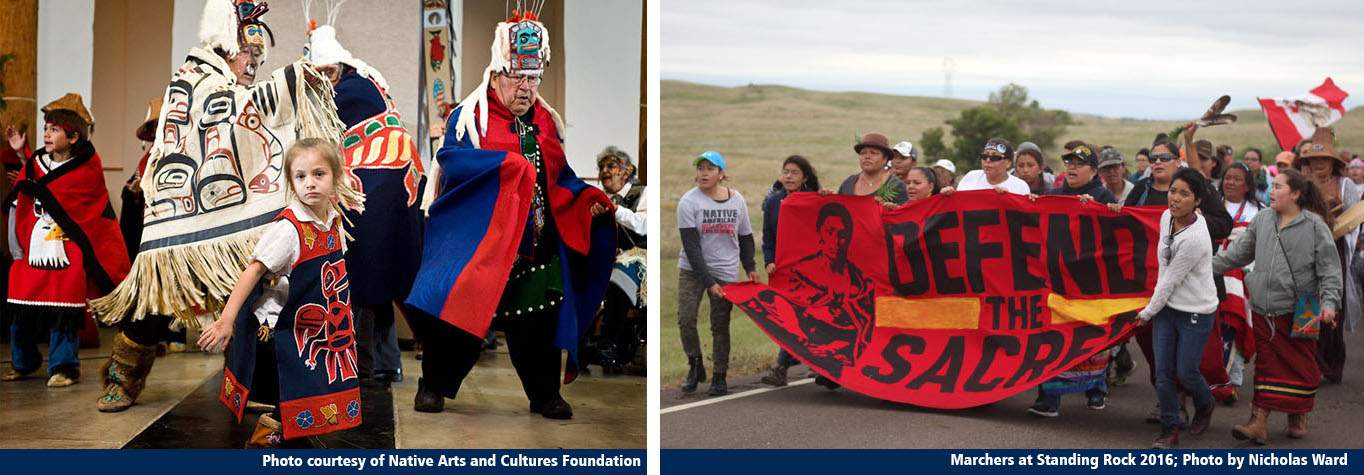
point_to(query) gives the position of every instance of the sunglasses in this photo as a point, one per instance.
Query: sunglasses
(992, 158)
(1074, 162)
(1163, 157)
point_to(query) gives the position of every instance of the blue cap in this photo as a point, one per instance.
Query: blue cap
(710, 156)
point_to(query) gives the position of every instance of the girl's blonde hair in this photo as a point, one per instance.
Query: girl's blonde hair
(331, 153)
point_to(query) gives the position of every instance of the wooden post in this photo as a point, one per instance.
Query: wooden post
(19, 37)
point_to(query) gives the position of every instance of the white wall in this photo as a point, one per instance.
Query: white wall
(184, 32)
(66, 45)
(601, 75)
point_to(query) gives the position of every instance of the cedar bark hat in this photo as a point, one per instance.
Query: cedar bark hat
(874, 139)
(72, 102)
(147, 131)
(1322, 145)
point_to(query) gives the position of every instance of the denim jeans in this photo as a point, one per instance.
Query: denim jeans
(1053, 401)
(785, 359)
(62, 348)
(1178, 339)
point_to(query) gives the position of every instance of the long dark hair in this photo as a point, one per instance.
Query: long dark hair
(1309, 196)
(1249, 180)
(811, 179)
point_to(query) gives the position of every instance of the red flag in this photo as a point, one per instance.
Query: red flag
(1293, 119)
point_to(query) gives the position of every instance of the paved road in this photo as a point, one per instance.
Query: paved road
(809, 416)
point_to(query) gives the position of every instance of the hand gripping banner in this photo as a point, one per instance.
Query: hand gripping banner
(954, 301)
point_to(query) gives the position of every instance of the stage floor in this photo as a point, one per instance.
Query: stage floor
(179, 409)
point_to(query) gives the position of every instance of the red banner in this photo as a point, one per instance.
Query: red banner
(955, 301)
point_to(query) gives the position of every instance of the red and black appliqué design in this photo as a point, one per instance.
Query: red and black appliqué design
(326, 332)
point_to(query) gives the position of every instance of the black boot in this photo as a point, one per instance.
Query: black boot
(718, 387)
(776, 376)
(427, 400)
(556, 408)
(697, 374)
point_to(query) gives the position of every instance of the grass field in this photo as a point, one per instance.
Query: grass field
(756, 127)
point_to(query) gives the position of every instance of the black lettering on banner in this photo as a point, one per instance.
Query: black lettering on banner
(908, 234)
(996, 302)
(1032, 365)
(950, 360)
(1027, 311)
(899, 365)
(1022, 250)
(1008, 343)
(1078, 339)
(940, 252)
(1118, 283)
(976, 251)
(1082, 265)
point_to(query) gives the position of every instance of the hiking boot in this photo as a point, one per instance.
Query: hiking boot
(63, 379)
(1168, 439)
(1297, 426)
(1042, 409)
(1254, 428)
(827, 383)
(427, 400)
(556, 408)
(695, 375)
(776, 376)
(718, 387)
(124, 374)
(1202, 417)
(268, 434)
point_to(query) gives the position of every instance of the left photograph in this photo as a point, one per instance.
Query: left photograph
(323, 224)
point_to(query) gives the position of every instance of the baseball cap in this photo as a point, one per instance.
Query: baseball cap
(906, 149)
(710, 156)
(946, 164)
(1110, 157)
(1083, 153)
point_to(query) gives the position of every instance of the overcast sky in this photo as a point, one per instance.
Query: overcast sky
(1146, 58)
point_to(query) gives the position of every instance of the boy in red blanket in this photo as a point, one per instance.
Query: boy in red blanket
(65, 243)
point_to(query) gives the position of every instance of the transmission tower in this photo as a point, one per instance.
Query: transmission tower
(948, 67)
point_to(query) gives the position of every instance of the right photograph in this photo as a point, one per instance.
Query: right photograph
(994, 225)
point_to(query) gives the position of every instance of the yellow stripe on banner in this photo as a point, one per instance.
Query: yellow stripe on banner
(928, 314)
(1285, 390)
(1091, 311)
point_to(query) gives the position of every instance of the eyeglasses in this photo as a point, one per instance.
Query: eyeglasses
(1163, 157)
(522, 80)
(992, 158)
